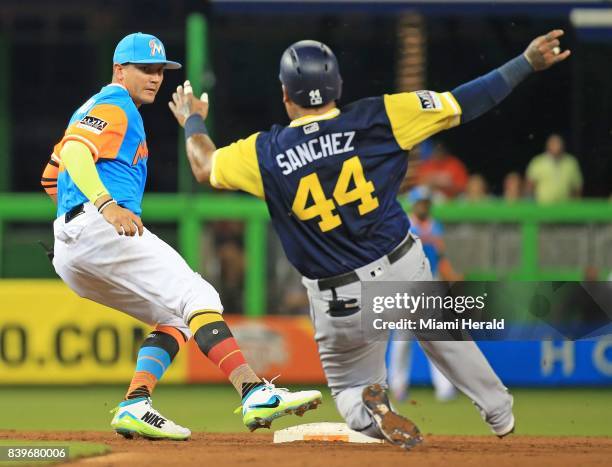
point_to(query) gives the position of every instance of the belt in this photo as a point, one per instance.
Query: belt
(351, 276)
(74, 212)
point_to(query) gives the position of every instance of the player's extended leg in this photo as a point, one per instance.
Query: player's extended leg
(262, 402)
(357, 380)
(461, 362)
(135, 415)
(466, 367)
(355, 368)
(400, 357)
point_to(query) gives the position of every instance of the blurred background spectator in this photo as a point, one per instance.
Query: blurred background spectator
(477, 189)
(415, 157)
(444, 173)
(554, 176)
(430, 231)
(513, 187)
(229, 246)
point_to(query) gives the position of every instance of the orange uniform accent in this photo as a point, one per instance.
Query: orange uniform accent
(231, 361)
(49, 177)
(140, 379)
(141, 153)
(226, 355)
(221, 350)
(103, 143)
(179, 337)
(105, 140)
(143, 382)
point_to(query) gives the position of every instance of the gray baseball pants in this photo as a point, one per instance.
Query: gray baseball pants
(351, 362)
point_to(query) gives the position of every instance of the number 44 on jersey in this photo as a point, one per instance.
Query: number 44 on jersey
(310, 186)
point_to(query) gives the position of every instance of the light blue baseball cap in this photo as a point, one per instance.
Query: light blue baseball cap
(142, 48)
(420, 193)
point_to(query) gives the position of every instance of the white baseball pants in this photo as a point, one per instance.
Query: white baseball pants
(141, 276)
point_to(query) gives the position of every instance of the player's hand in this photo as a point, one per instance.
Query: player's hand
(544, 51)
(123, 220)
(184, 103)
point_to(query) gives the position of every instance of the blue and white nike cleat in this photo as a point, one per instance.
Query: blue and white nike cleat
(137, 417)
(265, 403)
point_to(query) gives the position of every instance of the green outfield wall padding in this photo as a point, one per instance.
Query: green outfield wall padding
(191, 212)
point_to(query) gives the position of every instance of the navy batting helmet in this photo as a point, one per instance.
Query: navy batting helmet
(310, 73)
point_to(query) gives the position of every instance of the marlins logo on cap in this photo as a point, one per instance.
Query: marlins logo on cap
(142, 48)
(156, 48)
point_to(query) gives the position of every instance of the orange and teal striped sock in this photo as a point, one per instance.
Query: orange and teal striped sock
(216, 341)
(154, 357)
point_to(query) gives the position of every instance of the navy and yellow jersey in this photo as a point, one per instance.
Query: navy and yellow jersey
(330, 181)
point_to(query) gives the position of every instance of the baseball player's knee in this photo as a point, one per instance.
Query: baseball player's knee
(200, 295)
(351, 407)
(172, 321)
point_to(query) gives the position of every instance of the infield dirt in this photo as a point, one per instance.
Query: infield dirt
(226, 450)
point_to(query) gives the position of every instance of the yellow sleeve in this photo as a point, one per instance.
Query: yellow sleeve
(76, 158)
(235, 167)
(415, 116)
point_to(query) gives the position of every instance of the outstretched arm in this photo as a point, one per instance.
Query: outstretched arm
(482, 94)
(190, 113)
(233, 167)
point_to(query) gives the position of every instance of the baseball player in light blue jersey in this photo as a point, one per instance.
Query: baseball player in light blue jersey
(97, 175)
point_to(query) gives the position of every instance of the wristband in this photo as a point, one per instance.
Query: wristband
(194, 125)
(106, 204)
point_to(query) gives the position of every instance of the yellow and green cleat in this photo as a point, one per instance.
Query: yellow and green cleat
(137, 417)
(265, 403)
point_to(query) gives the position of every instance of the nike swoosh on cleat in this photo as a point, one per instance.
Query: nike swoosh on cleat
(272, 403)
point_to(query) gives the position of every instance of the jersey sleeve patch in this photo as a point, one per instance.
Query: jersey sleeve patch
(235, 167)
(415, 116)
(102, 130)
(94, 124)
(429, 101)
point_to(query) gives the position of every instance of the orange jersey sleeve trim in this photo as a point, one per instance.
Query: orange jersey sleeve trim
(49, 176)
(56, 158)
(102, 130)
